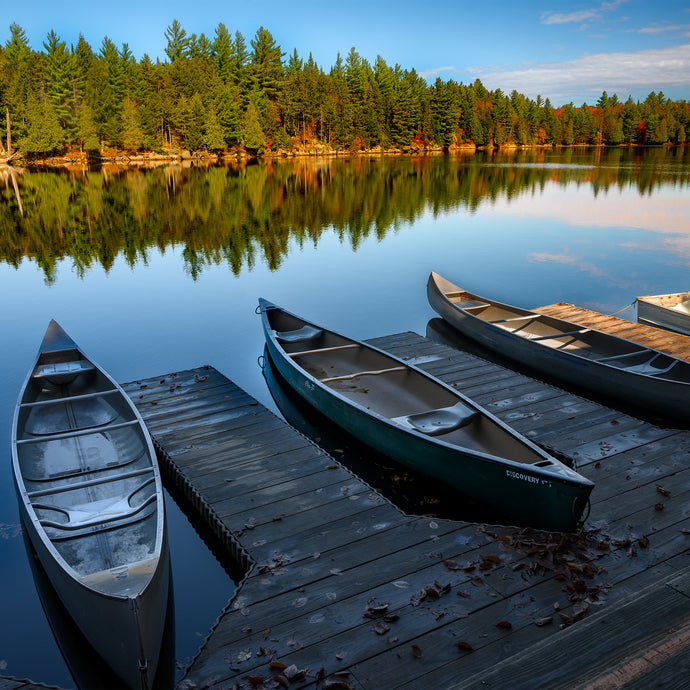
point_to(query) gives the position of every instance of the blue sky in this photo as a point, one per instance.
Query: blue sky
(566, 50)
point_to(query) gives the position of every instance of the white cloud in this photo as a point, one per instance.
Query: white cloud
(625, 72)
(431, 74)
(581, 16)
(656, 29)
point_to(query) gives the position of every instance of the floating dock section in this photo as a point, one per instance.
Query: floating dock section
(342, 589)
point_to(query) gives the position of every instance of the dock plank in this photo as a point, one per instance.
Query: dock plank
(672, 343)
(320, 546)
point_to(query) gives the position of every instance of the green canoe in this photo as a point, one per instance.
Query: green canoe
(424, 424)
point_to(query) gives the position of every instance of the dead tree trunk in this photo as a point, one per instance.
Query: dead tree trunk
(9, 133)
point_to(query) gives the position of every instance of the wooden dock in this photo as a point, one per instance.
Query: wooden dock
(342, 589)
(660, 339)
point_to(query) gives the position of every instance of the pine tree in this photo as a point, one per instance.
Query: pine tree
(45, 134)
(16, 82)
(86, 129)
(222, 50)
(252, 130)
(228, 116)
(132, 134)
(108, 84)
(266, 64)
(58, 80)
(213, 132)
(197, 123)
(178, 43)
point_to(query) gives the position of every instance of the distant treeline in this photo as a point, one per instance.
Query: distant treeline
(218, 93)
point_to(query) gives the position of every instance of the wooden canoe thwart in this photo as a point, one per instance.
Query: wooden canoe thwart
(423, 423)
(605, 364)
(670, 311)
(91, 500)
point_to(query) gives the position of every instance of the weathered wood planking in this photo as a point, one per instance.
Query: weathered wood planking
(321, 548)
(672, 343)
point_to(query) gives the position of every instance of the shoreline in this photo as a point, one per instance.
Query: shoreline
(150, 159)
(87, 160)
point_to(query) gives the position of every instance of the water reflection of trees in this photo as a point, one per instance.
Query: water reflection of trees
(232, 215)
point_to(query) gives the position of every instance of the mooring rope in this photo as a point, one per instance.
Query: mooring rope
(624, 308)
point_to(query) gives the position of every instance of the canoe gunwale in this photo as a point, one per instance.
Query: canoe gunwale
(571, 478)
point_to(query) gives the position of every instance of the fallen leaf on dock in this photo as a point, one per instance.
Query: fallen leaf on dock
(465, 645)
(401, 584)
(335, 681)
(416, 651)
(294, 673)
(244, 655)
(381, 628)
(376, 610)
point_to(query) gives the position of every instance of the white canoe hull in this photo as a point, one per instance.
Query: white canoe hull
(91, 500)
(670, 311)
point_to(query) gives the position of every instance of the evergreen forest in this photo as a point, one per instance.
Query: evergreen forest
(221, 93)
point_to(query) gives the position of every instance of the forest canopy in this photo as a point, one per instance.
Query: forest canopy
(220, 92)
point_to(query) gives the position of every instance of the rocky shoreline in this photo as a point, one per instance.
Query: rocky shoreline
(79, 159)
(236, 155)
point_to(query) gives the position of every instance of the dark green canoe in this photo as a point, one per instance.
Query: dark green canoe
(421, 422)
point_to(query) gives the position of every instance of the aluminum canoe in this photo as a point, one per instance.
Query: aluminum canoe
(600, 362)
(670, 311)
(91, 499)
(419, 421)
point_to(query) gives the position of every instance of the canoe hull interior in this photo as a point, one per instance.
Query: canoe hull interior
(667, 311)
(122, 630)
(385, 408)
(91, 499)
(607, 365)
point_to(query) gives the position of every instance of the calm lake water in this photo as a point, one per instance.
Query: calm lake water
(156, 271)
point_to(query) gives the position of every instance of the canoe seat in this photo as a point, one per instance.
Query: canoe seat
(98, 513)
(62, 372)
(559, 334)
(470, 304)
(440, 421)
(682, 307)
(298, 335)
